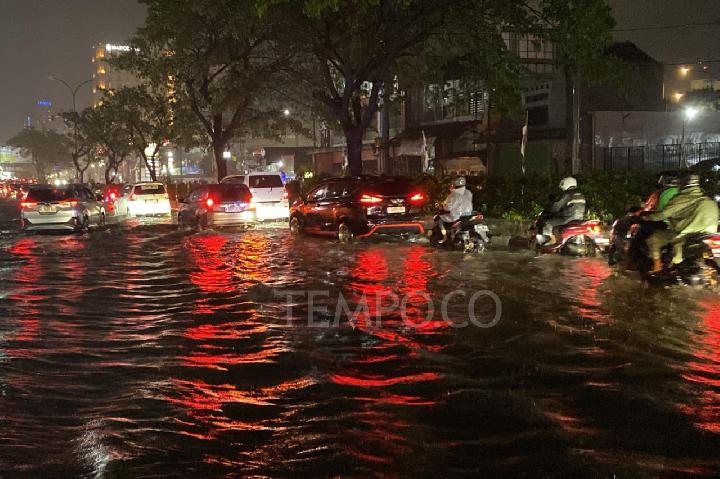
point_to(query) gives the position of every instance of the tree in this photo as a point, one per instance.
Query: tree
(351, 49)
(46, 148)
(217, 57)
(81, 145)
(147, 117)
(106, 128)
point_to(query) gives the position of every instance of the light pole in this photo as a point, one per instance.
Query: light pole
(73, 92)
(688, 114)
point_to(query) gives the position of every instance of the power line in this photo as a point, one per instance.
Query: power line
(668, 27)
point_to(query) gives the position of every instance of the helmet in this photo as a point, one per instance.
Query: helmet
(692, 180)
(666, 181)
(567, 183)
(458, 182)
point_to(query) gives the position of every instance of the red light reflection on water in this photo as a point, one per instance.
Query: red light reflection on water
(704, 372)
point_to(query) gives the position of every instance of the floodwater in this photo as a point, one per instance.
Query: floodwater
(145, 351)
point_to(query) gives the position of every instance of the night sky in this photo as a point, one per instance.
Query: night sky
(54, 37)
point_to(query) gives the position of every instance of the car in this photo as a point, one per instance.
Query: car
(354, 207)
(143, 199)
(217, 206)
(269, 193)
(70, 208)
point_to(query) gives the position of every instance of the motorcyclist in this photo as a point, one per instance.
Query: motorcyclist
(459, 203)
(668, 187)
(570, 207)
(688, 212)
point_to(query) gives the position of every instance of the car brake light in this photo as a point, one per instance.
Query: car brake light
(209, 203)
(417, 198)
(370, 200)
(285, 194)
(112, 195)
(133, 197)
(27, 204)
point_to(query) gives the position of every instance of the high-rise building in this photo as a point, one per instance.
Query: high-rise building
(107, 77)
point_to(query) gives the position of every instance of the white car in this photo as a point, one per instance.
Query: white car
(269, 194)
(143, 199)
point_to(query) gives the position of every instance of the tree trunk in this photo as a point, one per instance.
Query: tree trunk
(354, 143)
(220, 161)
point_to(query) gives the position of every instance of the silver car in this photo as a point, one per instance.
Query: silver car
(70, 208)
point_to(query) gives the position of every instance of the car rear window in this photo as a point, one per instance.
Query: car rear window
(234, 179)
(265, 181)
(389, 186)
(50, 194)
(230, 192)
(149, 189)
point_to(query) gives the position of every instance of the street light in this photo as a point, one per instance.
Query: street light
(227, 155)
(688, 114)
(684, 71)
(73, 92)
(286, 112)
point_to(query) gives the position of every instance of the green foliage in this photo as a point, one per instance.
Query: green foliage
(217, 60)
(46, 148)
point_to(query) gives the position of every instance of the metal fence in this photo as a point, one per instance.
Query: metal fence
(655, 158)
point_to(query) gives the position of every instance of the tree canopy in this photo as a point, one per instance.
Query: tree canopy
(46, 148)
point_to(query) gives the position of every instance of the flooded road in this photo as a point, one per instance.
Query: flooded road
(144, 351)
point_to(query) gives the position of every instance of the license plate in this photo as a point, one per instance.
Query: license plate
(396, 209)
(480, 228)
(47, 209)
(233, 208)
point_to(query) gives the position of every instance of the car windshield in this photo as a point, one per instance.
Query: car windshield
(230, 192)
(154, 189)
(266, 181)
(50, 194)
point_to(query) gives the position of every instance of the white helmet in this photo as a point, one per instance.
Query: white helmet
(567, 183)
(458, 182)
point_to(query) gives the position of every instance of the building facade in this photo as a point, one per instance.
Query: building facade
(105, 77)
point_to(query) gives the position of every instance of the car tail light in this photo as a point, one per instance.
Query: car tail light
(27, 204)
(133, 197)
(112, 196)
(417, 198)
(285, 194)
(209, 203)
(70, 202)
(167, 197)
(370, 199)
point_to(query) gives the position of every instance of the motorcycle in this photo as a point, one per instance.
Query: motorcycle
(576, 238)
(701, 254)
(469, 234)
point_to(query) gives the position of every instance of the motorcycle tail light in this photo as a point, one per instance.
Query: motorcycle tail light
(713, 242)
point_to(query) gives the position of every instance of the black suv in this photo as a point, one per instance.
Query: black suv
(360, 206)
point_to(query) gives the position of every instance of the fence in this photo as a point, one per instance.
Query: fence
(655, 158)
